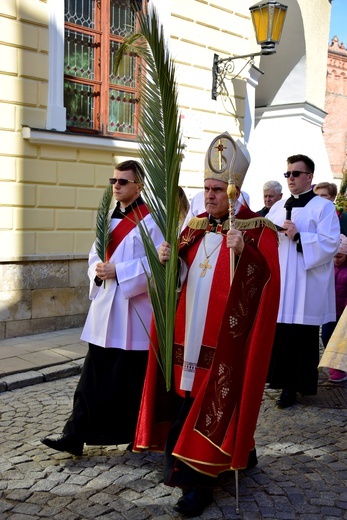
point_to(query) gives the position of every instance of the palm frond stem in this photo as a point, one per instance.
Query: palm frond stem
(161, 154)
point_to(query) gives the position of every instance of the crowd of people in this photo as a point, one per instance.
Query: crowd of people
(253, 299)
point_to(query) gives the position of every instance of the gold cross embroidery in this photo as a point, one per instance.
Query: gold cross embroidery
(204, 266)
(220, 149)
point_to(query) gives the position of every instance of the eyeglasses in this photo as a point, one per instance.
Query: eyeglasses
(295, 173)
(121, 182)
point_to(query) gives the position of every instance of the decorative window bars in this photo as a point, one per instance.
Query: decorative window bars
(98, 101)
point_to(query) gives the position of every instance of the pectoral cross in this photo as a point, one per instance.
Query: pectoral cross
(204, 266)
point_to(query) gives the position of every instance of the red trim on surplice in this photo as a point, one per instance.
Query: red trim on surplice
(124, 227)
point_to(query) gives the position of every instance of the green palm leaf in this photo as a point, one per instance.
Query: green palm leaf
(161, 154)
(103, 217)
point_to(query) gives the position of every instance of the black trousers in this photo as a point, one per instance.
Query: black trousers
(107, 397)
(328, 329)
(295, 358)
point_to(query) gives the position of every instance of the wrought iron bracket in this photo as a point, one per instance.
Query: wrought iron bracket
(225, 67)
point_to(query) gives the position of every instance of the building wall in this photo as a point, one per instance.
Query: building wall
(335, 124)
(48, 194)
(198, 30)
(315, 47)
(290, 100)
(51, 183)
(42, 295)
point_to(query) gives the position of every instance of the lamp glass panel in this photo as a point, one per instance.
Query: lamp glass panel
(278, 22)
(260, 21)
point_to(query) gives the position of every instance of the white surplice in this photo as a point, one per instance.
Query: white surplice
(307, 278)
(113, 318)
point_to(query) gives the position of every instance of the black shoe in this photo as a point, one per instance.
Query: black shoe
(252, 459)
(65, 443)
(286, 399)
(193, 502)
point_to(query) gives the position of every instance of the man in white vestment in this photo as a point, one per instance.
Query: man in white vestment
(107, 397)
(308, 243)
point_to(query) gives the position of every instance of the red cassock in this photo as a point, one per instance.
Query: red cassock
(218, 433)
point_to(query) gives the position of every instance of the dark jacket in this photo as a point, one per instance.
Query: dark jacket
(264, 211)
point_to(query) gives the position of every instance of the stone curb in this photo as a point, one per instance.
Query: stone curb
(34, 377)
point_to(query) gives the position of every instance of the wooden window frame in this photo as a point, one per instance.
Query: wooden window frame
(101, 82)
(55, 132)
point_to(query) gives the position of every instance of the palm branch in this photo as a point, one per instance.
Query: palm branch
(102, 238)
(160, 144)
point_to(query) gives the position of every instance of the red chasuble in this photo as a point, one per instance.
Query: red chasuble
(218, 433)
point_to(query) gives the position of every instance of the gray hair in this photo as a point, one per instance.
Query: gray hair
(273, 185)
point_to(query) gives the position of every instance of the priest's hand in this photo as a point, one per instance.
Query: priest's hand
(290, 229)
(164, 252)
(105, 270)
(235, 241)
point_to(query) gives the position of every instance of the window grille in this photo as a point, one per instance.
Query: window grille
(98, 101)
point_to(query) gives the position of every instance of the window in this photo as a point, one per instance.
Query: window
(98, 101)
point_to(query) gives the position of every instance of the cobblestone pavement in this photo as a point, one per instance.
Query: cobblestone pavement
(302, 470)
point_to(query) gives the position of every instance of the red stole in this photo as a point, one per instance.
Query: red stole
(124, 227)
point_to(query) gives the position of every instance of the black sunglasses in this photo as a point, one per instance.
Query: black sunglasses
(295, 173)
(121, 182)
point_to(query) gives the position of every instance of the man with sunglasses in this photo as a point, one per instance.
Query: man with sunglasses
(307, 244)
(107, 397)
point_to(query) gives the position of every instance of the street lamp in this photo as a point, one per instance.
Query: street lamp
(268, 20)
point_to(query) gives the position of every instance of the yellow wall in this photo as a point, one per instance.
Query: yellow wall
(316, 48)
(49, 192)
(198, 29)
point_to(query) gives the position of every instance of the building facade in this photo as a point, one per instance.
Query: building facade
(53, 174)
(335, 124)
